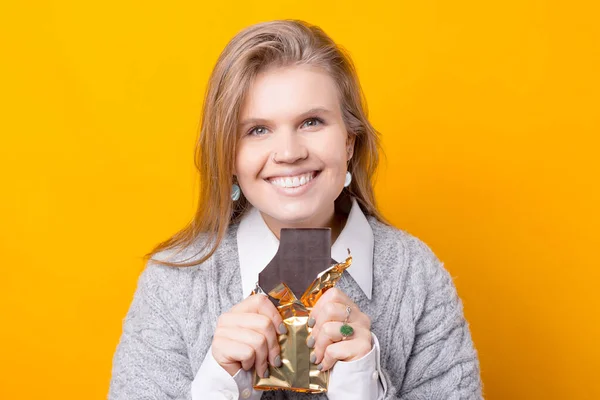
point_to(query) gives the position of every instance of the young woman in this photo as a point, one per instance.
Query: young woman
(285, 142)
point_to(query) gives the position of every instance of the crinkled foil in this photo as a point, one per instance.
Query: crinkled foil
(297, 373)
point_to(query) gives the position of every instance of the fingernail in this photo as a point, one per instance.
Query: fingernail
(320, 366)
(310, 342)
(282, 328)
(266, 374)
(313, 358)
(278, 361)
(311, 322)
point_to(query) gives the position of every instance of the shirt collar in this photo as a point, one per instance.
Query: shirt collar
(257, 246)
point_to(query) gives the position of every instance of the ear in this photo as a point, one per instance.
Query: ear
(350, 145)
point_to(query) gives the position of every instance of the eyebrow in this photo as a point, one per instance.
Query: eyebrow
(305, 114)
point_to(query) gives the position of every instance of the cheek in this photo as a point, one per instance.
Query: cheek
(249, 162)
(332, 150)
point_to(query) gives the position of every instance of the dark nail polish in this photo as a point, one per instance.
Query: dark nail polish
(311, 322)
(313, 358)
(282, 328)
(266, 374)
(278, 361)
(310, 342)
(320, 367)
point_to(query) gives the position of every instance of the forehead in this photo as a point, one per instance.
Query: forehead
(281, 93)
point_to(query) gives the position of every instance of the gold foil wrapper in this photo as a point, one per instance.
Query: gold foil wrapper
(297, 373)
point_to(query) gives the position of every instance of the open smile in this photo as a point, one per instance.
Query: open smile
(296, 184)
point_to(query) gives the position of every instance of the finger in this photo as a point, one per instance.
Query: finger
(337, 312)
(331, 334)
(226, 351)
(334, 352)
(347, 350)
(328, 336)
(333, 295)
(253, 339)
(257, 323)
(260, 304)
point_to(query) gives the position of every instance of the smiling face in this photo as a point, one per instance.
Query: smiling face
(292, 155)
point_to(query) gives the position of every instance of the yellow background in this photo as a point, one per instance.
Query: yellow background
(489, 113)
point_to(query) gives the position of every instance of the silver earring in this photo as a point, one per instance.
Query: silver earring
(235, 192)
(348, 179)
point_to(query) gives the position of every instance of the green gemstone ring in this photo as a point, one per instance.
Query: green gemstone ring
(346, 331)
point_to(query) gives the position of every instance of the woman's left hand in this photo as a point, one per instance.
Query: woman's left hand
(328, 316)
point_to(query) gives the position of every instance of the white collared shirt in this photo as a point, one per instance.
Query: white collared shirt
(352, 380)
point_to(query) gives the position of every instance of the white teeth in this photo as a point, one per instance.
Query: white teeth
(292, 181)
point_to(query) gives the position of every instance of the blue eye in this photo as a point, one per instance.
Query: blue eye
(315, 120)
(257, 129)
(261, 130)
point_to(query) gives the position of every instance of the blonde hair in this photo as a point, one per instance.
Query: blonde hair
(280, 43)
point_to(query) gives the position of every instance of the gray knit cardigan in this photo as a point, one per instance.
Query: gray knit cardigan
(425, 342)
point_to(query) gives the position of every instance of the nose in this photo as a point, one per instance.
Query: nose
(289, 148)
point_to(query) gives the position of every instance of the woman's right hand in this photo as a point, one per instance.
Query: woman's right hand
(246, 336)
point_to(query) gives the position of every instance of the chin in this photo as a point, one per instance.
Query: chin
(299, 212)
(292, 217)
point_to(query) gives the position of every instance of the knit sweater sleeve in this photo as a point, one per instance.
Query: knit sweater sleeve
(443, 363)
(150, 361)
